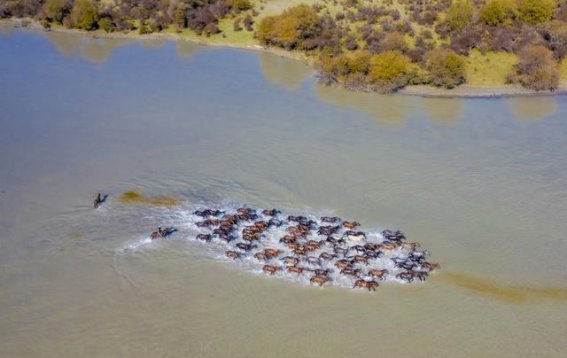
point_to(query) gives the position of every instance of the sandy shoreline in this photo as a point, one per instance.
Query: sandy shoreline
(464, 91)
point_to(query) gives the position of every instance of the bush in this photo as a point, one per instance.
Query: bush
(497, 11)
(536, 11)
(84, 15)
(394, 41)
(241, 5)
(56, 10)
(445, 68)
(459, 15)
(390, 71)
(106, 24)
(248, 22)
(537, 69)
(290, 28)
(236, 24)
(555, 33)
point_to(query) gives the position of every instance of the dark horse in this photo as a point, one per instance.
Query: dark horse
(99, 200)
(163, 232)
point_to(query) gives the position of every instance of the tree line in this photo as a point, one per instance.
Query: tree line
(144, 16)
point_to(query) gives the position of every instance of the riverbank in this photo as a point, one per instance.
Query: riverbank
(464, 91)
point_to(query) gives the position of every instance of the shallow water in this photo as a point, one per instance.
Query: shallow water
(481, 183)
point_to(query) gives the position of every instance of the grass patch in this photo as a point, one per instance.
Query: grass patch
(489, 69)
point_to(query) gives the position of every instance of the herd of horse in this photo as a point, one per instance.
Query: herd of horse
(323, 248)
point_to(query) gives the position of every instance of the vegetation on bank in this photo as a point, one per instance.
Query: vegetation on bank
(379, 45)
(386, 45)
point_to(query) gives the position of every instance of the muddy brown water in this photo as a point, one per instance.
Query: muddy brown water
(481, 183)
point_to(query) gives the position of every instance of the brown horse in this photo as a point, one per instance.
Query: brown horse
(359, 259)
(370, 285)
(430, 266)
(350, 224)
(260, 256)
(319, 280)
(388, 246)
(348, 271)
(288, 239)
(379, 274)
(297, 269)
(294, 246)
(271, 253)
(326, 256)
(342, 264)
(313, 245)
(232, 255)
(412, 246)
(300, 251)
(271, 269)
(204, 237)
(250, 236)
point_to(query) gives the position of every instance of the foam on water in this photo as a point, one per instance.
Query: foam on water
(216, 248)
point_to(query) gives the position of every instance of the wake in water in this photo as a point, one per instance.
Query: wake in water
(318, 250)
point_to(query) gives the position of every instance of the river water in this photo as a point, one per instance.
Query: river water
(481, 183)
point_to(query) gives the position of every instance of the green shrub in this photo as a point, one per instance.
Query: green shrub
(445, 68)
(390, 71)
(537, 69)
(106, 24)
(459, 15)
(290, 28)
(497, 11)
(56, 10)
(84, 15)
(536, 11)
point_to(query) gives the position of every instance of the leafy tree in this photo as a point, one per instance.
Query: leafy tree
(497, 11)
(555, 33)
(537, 69)
(390, 71)
(56, 10)
(106, 24)
(536, 11)
(459, 15)
(290, 28)
(84, 15)
(445, 68)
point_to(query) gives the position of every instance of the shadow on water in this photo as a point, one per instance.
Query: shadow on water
(506, 293)
(95, 50)
(532, 108)
(186, 49)
(390, 110)
(283, 71)
(442, 110)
